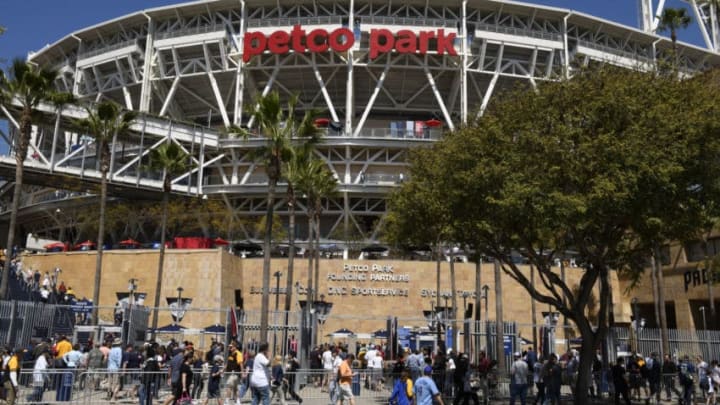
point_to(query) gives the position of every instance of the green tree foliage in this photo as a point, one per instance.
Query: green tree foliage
(604, 164)
(27, 86)
(278, 126)
(105, 123)
(170, 160)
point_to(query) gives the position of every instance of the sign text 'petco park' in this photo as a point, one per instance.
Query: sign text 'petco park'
(340, 40)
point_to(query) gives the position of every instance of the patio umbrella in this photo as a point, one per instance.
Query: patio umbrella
(55, 247)
(216, 329)
(170, 328)
(130, 241)
(87, 245)
(341, 333)
(380, 334)
(220, 242)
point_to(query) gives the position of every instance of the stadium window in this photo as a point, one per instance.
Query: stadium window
(694, 251)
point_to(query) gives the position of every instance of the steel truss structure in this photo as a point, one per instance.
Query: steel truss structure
(182, 68)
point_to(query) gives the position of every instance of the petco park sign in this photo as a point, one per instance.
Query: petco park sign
(342, 39)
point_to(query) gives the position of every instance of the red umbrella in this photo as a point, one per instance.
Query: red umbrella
(220, 242)
(87, 245)
(130, 241)
(322, 122)
(433, 122)
(55, 245)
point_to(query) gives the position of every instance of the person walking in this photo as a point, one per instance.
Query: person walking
(620, 381)
(539, 383)
(39, 376)
(669, 371)
(425, 390)
(259, 384)
(216, 372)
(278, 383)
(11, 375)
(402, 390)
(293, 366)
(518, 379)
(345, 374)
(686, 376)
(552, 376)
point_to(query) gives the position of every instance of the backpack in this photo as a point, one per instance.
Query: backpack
(686, 378)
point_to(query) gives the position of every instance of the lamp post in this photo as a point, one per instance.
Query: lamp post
(485, 289)
(466, 323)
(702, 310)
(127, 322)
(277, 275)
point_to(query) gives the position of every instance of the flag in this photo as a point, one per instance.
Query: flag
(233, 323)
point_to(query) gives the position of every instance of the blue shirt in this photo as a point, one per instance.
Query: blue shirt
(425, 390)
(115, 359)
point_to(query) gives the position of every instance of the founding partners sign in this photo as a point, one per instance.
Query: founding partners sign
(365, 278)
(342, 39)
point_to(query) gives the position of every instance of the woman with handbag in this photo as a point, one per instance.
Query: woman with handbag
(186, 379)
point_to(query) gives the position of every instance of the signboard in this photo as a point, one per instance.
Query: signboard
(508, 344)
(342, 39)
(83, 306)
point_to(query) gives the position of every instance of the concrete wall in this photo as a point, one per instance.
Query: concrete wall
(364, 293)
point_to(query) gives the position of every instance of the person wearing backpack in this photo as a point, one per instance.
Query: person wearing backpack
(687, 380)
(402, 390)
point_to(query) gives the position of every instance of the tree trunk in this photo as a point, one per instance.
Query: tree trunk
(265, 302)
(317, 252)
(587, 355)
(20, 154)
(533, 309)
(290, 269)
(453, 291)
(499, 332)
(653, 279)
(478, 300)
(438, 259)
(161, 256)
(665, 343)
(104, 167)
(311, 256)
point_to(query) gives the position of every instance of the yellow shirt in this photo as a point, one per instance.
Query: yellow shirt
(62, 348)
(14, 363)
(409, 386)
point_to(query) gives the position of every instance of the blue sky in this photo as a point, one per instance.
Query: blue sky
(31, 24)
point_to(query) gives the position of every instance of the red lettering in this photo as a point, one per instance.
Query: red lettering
(376, 47)
(249, 49)
(425, 37)
(297, 36)
(342, 39)
(445, 44)
(337, 36)
(279, 42)
(406, 42)
(312, 40)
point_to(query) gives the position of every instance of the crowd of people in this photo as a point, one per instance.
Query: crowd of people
(45, 288)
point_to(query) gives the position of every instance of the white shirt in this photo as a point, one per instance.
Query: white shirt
(39, 371)
(337, 361)
(259, 376)
(519, 372)
(327, 359)
(370, 355)
(377, 362)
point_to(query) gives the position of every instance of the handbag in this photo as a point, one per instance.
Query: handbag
(185, 399)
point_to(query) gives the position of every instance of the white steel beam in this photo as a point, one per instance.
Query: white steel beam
(701, 24)
(350, 85)
(464, 63)
(438, 96)
(146, 89)
(488, 94)
(323, 88)
(266, 90)
(170, 95)
(373, 97)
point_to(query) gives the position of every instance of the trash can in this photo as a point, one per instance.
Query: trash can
(356, 384)
(64, 387)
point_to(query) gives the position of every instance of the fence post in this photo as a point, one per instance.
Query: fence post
(13, 315)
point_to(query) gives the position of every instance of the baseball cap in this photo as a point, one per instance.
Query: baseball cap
(517, 354)
(427, 370)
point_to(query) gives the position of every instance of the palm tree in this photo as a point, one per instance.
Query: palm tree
(27, 85)
(278, 127)
(171, 160)
(673, 19)
(105, 123)
(324, 186)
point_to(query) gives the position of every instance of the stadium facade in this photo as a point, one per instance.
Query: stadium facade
(387, 77)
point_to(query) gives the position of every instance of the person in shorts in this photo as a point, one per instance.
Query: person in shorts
(216, 372)
(345, 376)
